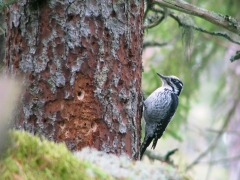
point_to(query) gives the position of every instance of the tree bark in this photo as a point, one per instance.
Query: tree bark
(82, 66)
(2, 39)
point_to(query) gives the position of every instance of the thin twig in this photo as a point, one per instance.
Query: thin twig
(150, 44)
(148, 5)
(222, 34)
(224, 160)
(157, 22)
(235, 57)
(224, 131)
(209, 170)
(169, 153)
(215, 141)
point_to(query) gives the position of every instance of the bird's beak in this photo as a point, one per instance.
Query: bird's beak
(163, 79)
(161, 76)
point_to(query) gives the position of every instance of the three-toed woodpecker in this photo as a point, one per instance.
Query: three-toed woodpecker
(159, 108)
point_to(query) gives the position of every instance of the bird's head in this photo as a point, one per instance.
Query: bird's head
(173, 82)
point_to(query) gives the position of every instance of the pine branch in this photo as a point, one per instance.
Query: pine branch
(224, 21)
(184, 24)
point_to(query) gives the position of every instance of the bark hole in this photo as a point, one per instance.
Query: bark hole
(80, 95)
(93, 126)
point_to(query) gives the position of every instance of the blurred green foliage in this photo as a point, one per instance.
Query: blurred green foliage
(173, 59)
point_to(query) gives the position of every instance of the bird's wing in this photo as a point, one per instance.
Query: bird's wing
(160, 127)
(158, 105)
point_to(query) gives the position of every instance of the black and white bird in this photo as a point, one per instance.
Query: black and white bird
(159, 108)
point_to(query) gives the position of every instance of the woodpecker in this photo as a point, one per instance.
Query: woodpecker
(159, 108)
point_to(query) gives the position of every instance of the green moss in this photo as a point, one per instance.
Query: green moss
(29, 157)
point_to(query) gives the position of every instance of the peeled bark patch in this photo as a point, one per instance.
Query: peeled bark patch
(82, 63)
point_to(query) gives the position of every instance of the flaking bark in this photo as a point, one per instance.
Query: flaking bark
(82, 66)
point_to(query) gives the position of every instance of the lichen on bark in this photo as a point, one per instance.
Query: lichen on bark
(82, 66)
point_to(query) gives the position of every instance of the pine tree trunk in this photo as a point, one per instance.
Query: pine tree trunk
(82, 66)
(2, 39)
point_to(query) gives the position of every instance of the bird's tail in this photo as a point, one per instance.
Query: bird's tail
(145, 144)
(154, 143)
